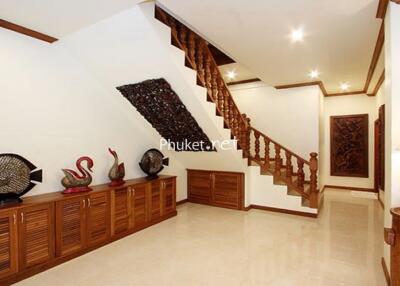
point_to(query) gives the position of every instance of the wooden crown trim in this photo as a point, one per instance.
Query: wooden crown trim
(25, 31)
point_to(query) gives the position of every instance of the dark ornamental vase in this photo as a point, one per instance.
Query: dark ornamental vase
(152, 163)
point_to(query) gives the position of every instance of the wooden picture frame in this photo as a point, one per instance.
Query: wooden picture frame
(349, 145)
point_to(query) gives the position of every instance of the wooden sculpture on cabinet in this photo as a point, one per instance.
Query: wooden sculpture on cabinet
(76, 183)
(117, 171)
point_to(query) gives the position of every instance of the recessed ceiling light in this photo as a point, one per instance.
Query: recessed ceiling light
(314, 74)
(297, 35)
(345, 86)
(231, 74)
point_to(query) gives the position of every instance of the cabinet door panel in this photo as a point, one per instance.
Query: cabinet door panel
(120, 211)
(36, 235)
(168, 196)
(8, 243)
(98, 218)
(199, 187)
(140, 205)
(227, 190)
(155, 200)
(70, 225)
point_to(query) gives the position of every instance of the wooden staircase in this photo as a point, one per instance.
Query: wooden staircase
(286, 167)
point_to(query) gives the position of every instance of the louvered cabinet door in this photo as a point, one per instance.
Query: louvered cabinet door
(36, 235)
(227, 189)
(155, 201)
(140, 205)
(199, 187)
(70, 225)
(8, 243)
(168, 196)
(98, 218)
(120, 211)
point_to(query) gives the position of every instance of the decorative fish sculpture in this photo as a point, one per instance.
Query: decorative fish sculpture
(17, 177)
(117, 171)
(76, 183)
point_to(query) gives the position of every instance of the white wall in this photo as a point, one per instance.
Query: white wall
(392, 115)
(290, 116)
(348, 105)
(54, 111)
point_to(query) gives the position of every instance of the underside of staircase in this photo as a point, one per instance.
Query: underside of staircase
(287, 168)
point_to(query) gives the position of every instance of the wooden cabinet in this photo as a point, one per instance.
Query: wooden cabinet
(8, 243)
(36, 235)
(46, 230)
(70, 225)
(82, 221)
(98, 218)
(223, 189)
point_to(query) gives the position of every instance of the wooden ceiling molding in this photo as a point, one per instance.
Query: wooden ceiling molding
(26, 31)
(243, 81)
(378, 84)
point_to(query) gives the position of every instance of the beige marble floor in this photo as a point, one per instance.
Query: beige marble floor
(213, 246)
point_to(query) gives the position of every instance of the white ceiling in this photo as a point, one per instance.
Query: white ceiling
(59, 18)
(340, 36)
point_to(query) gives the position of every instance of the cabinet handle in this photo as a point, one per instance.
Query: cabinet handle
(15, 218)
(84, 203)
(88, 200)
(22, 217)
(132, 191)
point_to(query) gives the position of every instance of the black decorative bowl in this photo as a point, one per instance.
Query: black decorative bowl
(152, 163)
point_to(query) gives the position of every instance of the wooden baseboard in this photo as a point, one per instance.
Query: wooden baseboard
(278, 210)
(385, 271)
(181, 202)
(350, 188)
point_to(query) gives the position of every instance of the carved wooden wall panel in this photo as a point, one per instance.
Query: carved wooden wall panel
(349, 145)
(162, 107)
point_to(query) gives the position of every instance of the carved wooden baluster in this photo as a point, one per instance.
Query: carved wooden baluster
(231, 113)
(278, 160)
(209, 77)
(183, 37)
(220, 95)
(200, 62)
(247, 137)
(192, 48)
(226, 104)
(300, 174)
(313, 180)
(214, 84)
(266, 152)
(257, 145)
(289, 166)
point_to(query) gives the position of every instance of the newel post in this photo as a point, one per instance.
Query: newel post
(313, 181)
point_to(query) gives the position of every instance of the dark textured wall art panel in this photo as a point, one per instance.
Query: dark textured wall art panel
(349, 145)
(162, 107)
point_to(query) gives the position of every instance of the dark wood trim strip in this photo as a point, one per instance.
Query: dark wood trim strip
(286, 86)
(346, 93)
(323, 189)
(385, 271)
(375, 57)
(181, 202)
(382, 7)
(243, 81)
(28, 32)
(351, 188)
(378, 84)
(278, 210)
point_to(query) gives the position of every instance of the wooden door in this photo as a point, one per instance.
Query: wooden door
(140, 205)
(376, 156)
(98, 218)
(120, 210)
(199, 186)
(168, 196)
(70, 225)
(36, 235)
(155, 200)
(8, 243)
(227, 189)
